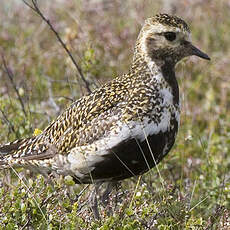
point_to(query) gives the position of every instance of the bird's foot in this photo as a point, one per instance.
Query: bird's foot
(93, 201)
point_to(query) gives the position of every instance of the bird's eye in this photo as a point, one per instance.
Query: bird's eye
(170, 36)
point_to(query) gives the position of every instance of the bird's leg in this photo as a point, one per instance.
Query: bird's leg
(117, 186)
(93, 201)
(105, 196)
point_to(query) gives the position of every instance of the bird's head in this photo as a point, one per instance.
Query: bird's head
(166, 38)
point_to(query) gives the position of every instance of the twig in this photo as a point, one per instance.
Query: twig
(10, 125)
(199, 203)
(82, 191)
(11, 77)
(61, 81)
(52, 101)
(26, 224)
(66, 98)
(36, 9)
(135, 191)
(193, 189)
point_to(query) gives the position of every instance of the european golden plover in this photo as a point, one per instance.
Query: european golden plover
(125, 127)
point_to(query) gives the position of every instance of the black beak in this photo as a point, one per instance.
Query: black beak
(199, 53)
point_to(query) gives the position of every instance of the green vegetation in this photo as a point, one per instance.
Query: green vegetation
(193, 189)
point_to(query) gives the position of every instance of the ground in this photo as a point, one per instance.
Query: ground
(190, 188)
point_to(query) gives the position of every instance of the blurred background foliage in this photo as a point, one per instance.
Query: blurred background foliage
(195, 191)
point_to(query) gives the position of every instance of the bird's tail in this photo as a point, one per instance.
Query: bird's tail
(11, 151)
(28, 152)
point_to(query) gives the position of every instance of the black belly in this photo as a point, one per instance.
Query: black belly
(133, 157)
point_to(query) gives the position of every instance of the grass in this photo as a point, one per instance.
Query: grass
(101, 34)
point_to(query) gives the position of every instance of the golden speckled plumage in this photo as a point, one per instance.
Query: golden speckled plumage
(172, 21)
(108, 134)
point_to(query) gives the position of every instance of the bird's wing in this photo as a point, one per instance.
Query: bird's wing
(88, 119)
(85, 121)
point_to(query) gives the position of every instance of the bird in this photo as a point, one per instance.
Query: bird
(125, 127)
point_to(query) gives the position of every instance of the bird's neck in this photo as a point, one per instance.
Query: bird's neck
(144, 64)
